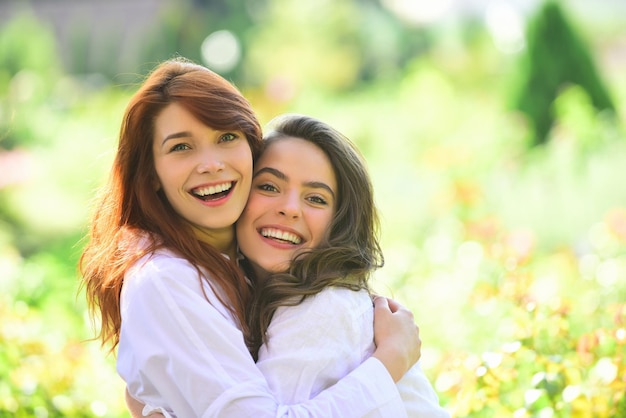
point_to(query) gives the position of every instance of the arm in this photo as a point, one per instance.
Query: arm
(314, 344)
(418, 395)
(184, 354)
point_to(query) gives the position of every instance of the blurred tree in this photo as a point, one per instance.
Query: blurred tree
(27, 44)
(387, 44)
(29, 65)
(183, 26)
(555, 56)
(318, 48)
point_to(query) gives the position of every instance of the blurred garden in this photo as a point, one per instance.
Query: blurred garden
(495, 132)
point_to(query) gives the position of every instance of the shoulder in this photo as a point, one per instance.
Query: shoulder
(333, 327)
(333, 298)
(333, 305)
(165, 277)
(162, 265)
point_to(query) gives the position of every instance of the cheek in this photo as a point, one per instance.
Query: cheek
(321, 226)
(166, 183)
(245, 224)
(254, 206)
(163, 174)
(156, 182)
(243, 160)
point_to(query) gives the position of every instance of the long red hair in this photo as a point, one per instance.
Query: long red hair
(129, 210)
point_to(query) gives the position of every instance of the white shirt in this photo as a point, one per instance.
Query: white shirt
(184, 356)
(312, 345)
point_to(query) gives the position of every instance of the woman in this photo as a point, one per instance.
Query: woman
(311, 217)
(158, 271)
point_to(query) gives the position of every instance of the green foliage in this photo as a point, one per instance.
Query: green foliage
(49, 122)
(27, 44)
(28, 66)
(46, 372)
(561, 350)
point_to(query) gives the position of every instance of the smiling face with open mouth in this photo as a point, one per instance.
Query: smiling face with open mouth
(204, 173)
(291, 204)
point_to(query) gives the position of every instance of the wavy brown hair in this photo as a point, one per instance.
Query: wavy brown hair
(129, 210)
(349, 252)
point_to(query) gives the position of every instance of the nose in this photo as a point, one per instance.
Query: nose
(210, 162)
(290, 206)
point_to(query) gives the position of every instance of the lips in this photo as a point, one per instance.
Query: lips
(212, 192)
(281, 235)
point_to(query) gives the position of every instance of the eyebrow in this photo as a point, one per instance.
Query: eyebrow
(283, 176)
(183, 134)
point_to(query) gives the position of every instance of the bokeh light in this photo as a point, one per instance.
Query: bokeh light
(221, 51)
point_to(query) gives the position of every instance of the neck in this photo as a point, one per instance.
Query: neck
(260, 275)
(222, 239)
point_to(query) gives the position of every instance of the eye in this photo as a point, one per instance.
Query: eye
(179, 147)
(318, 200)
(267, 187)
(228, 137)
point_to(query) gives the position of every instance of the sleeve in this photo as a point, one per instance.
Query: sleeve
(184, 355)
(418, 395)
(311, 346)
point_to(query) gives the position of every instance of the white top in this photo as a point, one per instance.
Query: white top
(186, 357)
(312, 345)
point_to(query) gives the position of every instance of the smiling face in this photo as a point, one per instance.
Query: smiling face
(205, 174)
(291, 204)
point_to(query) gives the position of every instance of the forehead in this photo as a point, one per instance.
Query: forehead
(174, 117)
(299, 158)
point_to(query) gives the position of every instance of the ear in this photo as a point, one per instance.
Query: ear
(156, 184)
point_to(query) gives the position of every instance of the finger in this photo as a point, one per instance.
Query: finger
(394, 305)
(381, 303)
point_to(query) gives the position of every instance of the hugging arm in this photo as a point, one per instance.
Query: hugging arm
(311, 346)
(183, 354)
(419, 396)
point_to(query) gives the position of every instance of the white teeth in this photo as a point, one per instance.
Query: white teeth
(218, 188)
(281, 235)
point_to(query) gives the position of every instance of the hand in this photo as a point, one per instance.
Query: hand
(398, 345)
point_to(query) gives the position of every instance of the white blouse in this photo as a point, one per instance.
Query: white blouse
(312, 345)
(186, 357)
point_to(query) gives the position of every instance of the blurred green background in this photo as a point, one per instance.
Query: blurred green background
(494, 132)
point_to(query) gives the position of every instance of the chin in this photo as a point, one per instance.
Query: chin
(278, 267)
